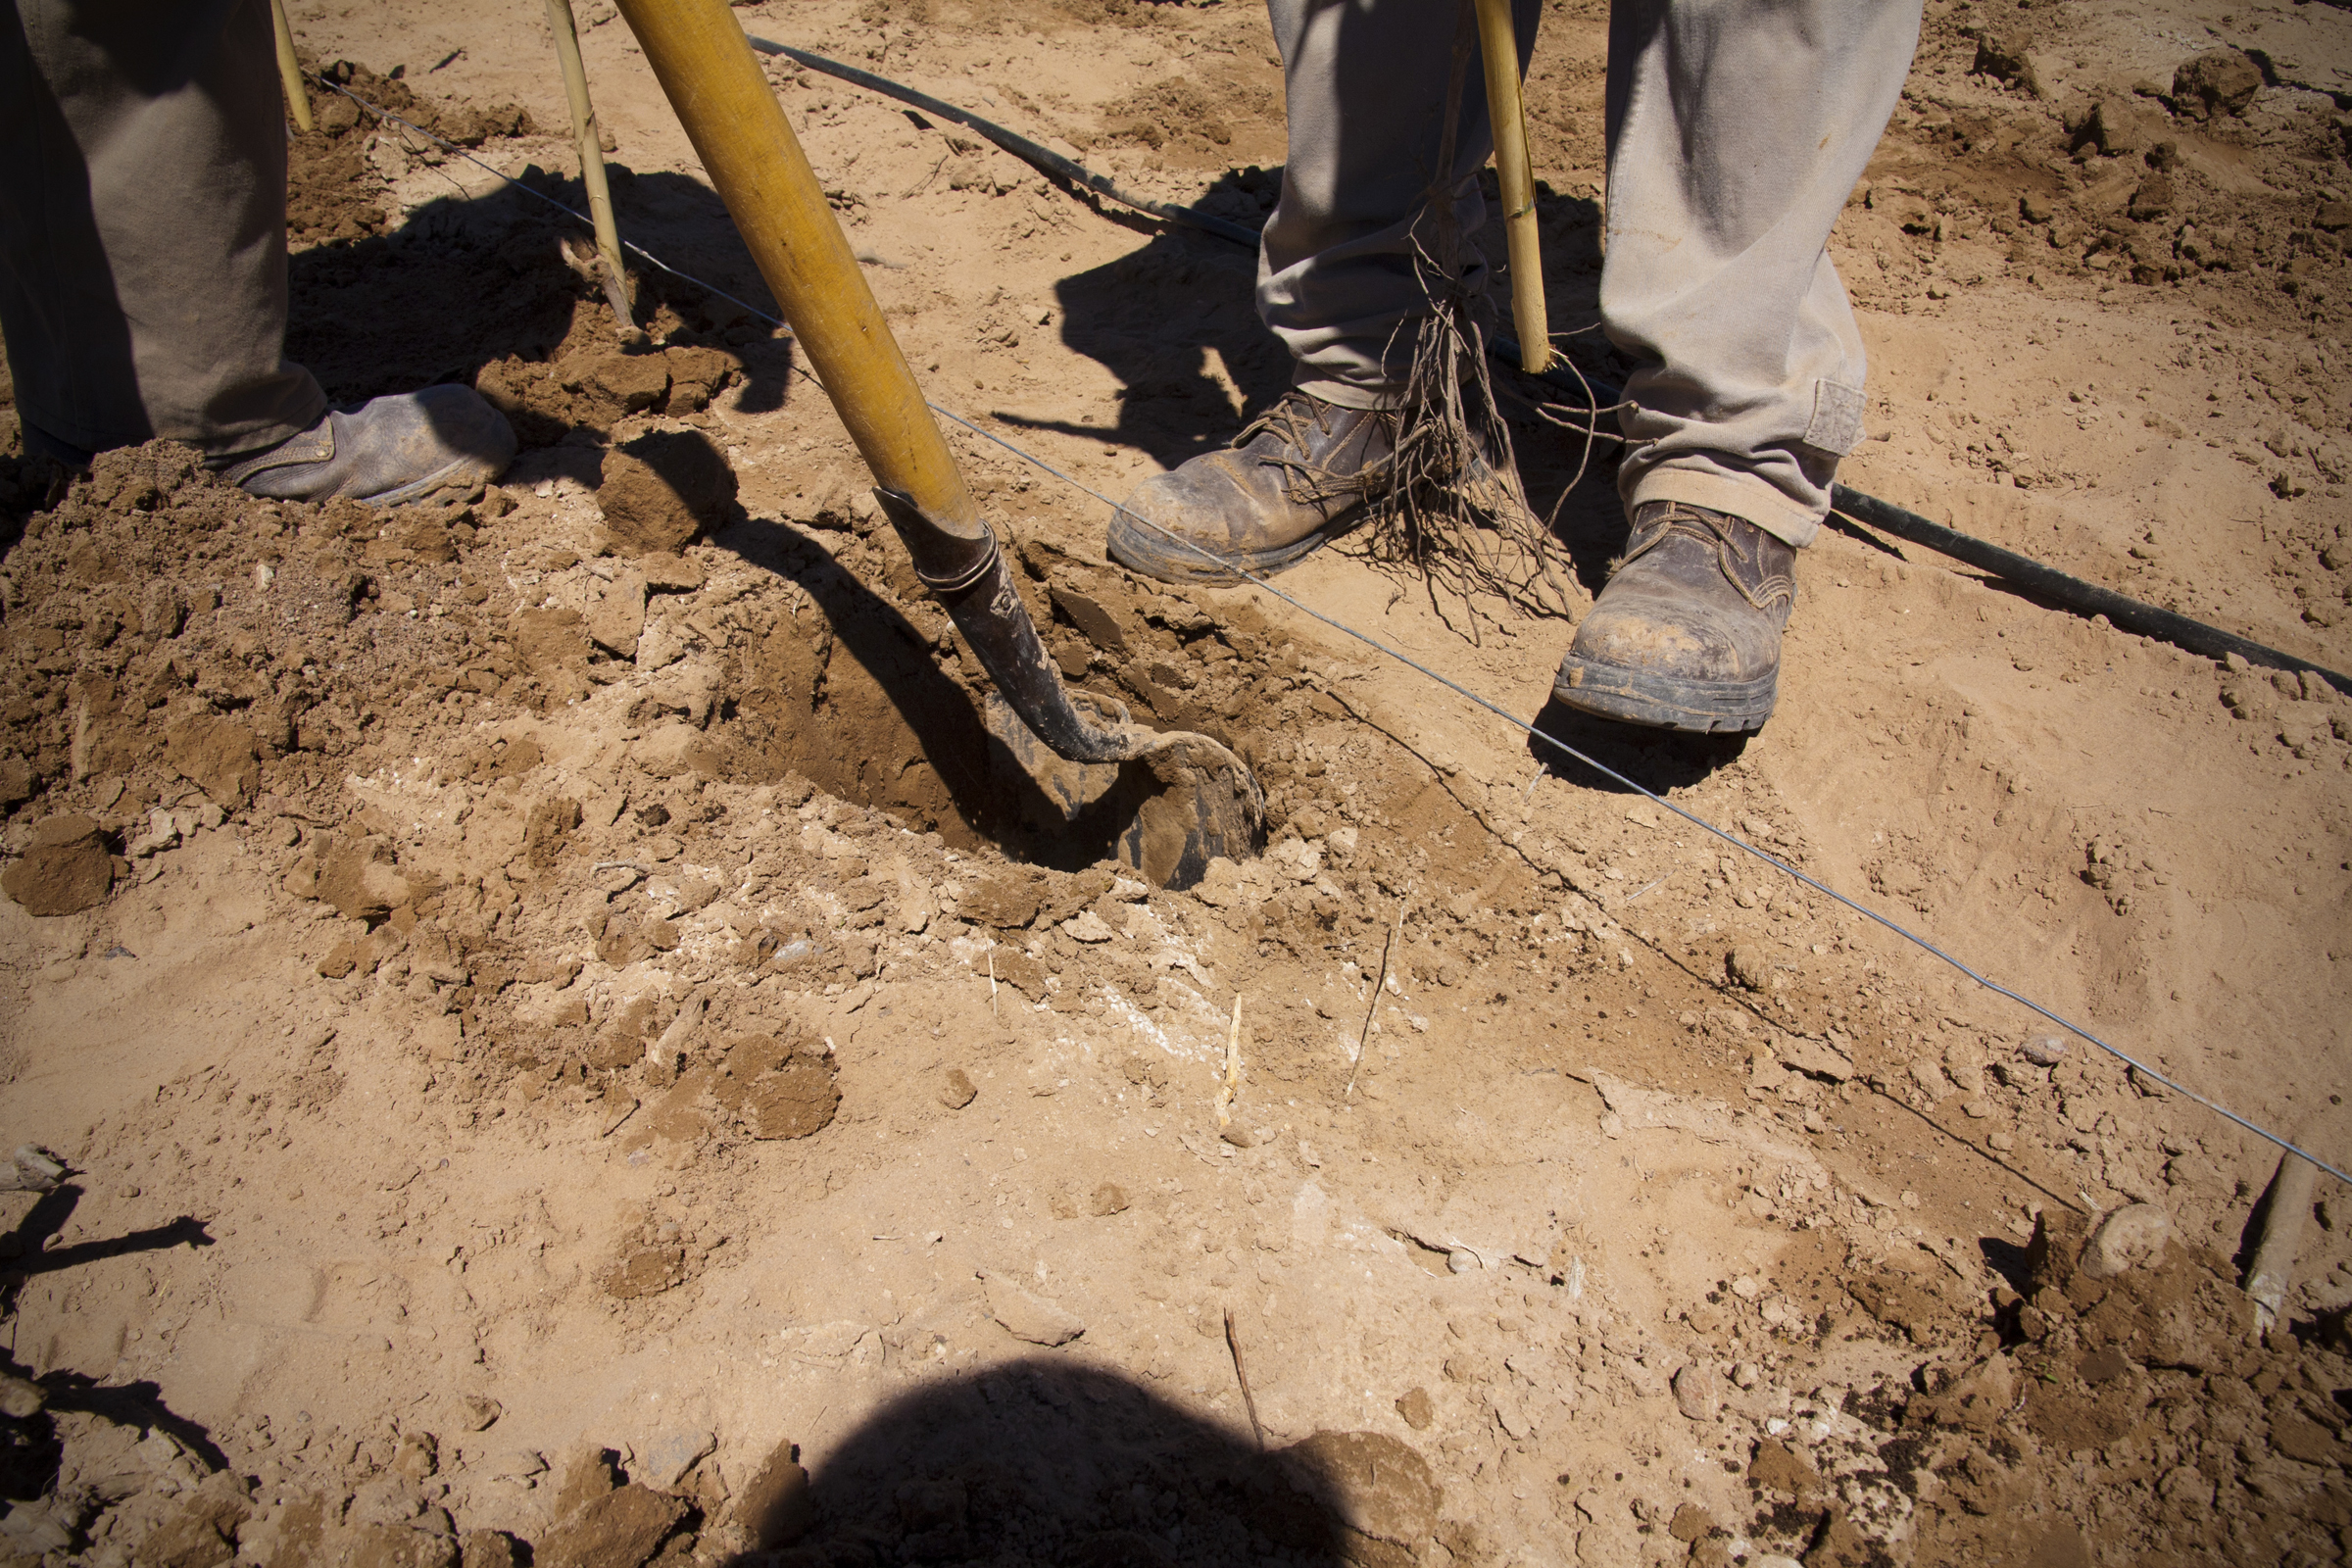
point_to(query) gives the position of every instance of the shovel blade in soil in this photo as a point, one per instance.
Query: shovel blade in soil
(1177, 803)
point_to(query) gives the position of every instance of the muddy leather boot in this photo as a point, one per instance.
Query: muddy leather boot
(1686, 633)
(386, 452)
(1299, 476)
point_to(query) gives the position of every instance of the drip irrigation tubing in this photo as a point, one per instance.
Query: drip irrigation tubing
(1407, 659)
(1044, 160)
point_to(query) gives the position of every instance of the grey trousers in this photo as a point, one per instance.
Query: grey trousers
(143, 226)
(1735, 131)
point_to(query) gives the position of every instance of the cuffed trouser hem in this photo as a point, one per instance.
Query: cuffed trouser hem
(1742, 495)
(1347, 395)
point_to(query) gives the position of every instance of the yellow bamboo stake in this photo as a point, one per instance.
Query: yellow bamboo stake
(585, 132)
(289, 70)
(1499, 45)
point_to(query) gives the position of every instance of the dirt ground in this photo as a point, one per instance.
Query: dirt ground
(573, 1047)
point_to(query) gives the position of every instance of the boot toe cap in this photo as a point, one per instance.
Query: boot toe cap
(1184, 525)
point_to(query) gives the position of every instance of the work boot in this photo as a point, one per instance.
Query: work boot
(1299, 476)
(386, 452)
(1686, 633)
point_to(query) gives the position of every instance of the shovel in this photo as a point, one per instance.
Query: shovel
(1207, 804)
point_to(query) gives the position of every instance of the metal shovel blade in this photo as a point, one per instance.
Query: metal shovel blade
(1170, 804)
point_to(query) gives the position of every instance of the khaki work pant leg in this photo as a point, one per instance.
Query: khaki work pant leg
(1366, 84)
(1737, 129)
(143, 226)
(1736, 133)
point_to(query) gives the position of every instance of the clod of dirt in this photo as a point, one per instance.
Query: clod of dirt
(957, 1089)
(1698, 1392)
(1689, 1523)
(778, 1089)
(2125, 1239)
(661, 489)
(1020, 971)
(21, 1398)
(1029, 1318)
(2218, 82)
(64, 869)
(587, 1476)
(15, 781)
(546, 829)
(1006, 901)
(487, 1548)
(1110, 1198)
(647, 1266)
(2045, 1051)
(775, 1509)
(1417, 1408)
(1381, 1495)
(622, 1529)
(1776, 1468)
(360, 879)
(201, 1530)
(1747, 965)
(216, 754)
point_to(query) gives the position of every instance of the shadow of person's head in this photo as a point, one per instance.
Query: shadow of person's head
(1052, 1461)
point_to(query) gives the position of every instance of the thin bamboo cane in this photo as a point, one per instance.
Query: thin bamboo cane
(289, 70)
(1499, 45)
(592, 161)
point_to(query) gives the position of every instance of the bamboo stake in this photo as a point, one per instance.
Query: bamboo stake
(592, 161)
(289, 70)
(1517, 176)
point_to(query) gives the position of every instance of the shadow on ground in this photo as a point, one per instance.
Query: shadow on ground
(924, 747)
(1039, 1461)
(467, 281)
(1658, 760)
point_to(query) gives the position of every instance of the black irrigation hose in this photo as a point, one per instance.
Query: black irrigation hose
(2087, 598)
(2022, 572)
(1044, 159)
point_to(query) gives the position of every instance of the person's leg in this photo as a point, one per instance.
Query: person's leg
(142, 226)
(1366, 84)
(1736, 134)
(143, 262)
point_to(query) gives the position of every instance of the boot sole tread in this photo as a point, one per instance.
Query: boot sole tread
(1665, 702)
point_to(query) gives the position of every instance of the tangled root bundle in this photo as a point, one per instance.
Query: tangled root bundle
(1455, 512)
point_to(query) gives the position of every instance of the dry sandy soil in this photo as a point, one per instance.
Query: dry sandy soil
(573, 1048)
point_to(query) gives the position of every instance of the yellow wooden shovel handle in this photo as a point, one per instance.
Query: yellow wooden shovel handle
(714, 81)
